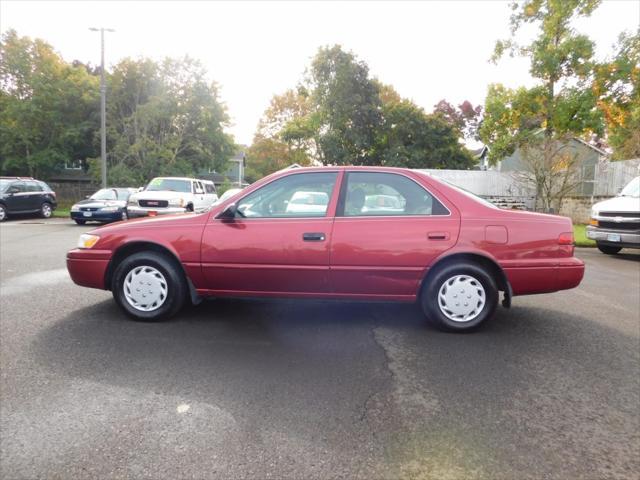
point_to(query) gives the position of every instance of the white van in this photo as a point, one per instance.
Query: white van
(166, 195)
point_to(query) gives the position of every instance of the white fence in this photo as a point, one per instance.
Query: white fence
(611, 177)
(603, 179)
(486, 183)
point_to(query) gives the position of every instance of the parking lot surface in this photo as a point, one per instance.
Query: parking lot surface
(309, 389)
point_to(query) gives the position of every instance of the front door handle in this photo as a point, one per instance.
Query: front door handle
(313, 237)
(438, 235)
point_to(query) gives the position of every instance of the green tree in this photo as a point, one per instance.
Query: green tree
(165, 119)
(410, 138)
(617, 90)
(562, 105)
(48, 108)
(347, 108)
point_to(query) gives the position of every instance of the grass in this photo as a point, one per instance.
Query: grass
(61, 213)
(580, 235)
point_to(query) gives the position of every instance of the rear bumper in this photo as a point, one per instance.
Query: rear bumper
(133, 211)
(566, 274)
(628, 239)
(87, 268)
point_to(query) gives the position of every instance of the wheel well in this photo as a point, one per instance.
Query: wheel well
(135, 247)
(488, 264)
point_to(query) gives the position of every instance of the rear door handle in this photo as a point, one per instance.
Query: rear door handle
(313, 237)
(438, 235)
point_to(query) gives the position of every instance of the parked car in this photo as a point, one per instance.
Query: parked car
(106, 205)
(166, 195)
(20, 195)
(226, 195)
(453, 260)
(308, 202)
(615, 223)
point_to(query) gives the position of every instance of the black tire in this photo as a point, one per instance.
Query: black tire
(46, 210)
(3, 213)
(189, 208)
(430, 296)
(608, 249)
(175, 283)
(80, 222)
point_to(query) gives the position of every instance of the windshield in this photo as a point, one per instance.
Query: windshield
(169, 184)
(632, 189)
(104, 194)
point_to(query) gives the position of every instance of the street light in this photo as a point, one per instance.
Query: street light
(103, 106)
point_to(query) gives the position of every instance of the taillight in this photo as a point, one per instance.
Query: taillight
(565, 238)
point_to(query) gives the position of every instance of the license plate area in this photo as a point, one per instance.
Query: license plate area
(613, 237)
(87, 214)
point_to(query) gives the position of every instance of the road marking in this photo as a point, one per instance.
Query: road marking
(29, 281)
(183, 408)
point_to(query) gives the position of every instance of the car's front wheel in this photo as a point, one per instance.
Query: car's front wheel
(608, 249)
(459, 297)
(3, 213)
(46, 210)
(149, 286)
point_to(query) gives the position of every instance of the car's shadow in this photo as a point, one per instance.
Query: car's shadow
(262, 345)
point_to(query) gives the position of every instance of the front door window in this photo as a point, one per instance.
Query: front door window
(295, 196)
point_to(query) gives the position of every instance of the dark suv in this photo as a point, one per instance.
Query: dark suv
(25, 195)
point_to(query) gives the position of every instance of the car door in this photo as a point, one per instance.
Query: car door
(17, 199)
(273, 246)
(199, 202)
(34, 195)
(388, 228)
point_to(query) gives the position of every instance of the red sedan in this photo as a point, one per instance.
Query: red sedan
(342, 233)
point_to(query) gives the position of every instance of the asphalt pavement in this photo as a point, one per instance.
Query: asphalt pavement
(309, 389)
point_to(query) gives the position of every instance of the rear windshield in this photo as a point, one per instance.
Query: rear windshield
(467, 193)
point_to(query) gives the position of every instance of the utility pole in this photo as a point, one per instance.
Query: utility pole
(103, 106)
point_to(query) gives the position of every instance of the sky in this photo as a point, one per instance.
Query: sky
(427, 50)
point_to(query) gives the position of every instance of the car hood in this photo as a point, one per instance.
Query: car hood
(100, 203)
(618, 204)
(158, 195)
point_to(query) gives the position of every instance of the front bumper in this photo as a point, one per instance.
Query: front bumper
(98, 216)
(87, 268)
(608, 236)
(133, 211)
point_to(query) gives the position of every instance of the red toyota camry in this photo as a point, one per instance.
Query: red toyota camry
(342, 233)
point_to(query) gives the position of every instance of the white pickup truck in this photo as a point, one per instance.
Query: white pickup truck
(615, 223)
(166, 195)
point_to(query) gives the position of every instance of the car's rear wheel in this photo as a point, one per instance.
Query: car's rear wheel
(459, 297)
(149, 286)
(80, 222)
(608, 249)
(46, 210)
(3, 213)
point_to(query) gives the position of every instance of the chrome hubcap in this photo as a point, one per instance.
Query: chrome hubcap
(461, 298)
(2, 214)
(145, 288)
(46, 210)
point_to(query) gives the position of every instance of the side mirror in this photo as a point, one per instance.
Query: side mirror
(229, 213)
(140, 189)
(87, 197)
